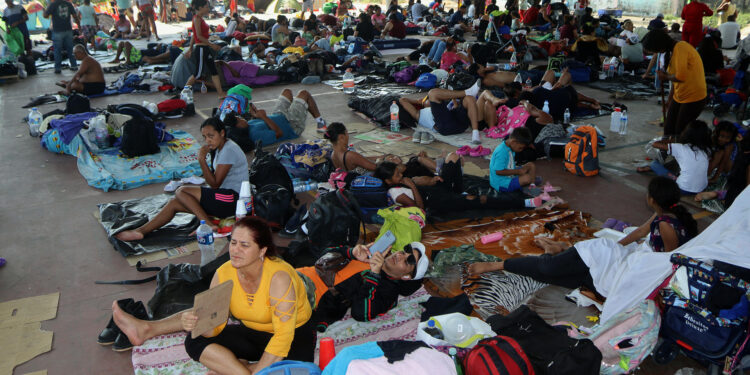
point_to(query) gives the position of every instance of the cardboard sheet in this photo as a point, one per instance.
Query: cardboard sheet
(21, 336)
(212, 307)
(383, 137)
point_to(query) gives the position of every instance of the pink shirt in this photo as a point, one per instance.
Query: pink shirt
(448, 59)
(378, 20)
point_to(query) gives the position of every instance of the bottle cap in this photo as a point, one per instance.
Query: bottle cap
(430, 323)
(452, 351)
(617, 109)
(203, 222)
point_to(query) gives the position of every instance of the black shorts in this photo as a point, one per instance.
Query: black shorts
(449, 122)
(93, 88)
(219, 202)
(204, 62)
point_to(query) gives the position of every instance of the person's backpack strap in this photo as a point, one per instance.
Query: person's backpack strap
(139, 267)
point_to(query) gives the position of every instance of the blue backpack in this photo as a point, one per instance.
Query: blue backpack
(236, 103)
(426, 81)
(371, 194)
(289, 367)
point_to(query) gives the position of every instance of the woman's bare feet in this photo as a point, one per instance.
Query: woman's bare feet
(706, 195)
(129, 235)
(482, 267)
(135, 329)
(549, 246)
(550, 204)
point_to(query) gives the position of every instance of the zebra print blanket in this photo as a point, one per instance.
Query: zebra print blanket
(497, 292)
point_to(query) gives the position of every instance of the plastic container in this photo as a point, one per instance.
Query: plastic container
(35, 122)
(566, 116)
(513, 60)
(545, 108)
(395, 125)
(493, 237)
(614, 121)
(433, 330)
(303, 186)
(348, 82)
(206, 243)
(457, 329)
(624, 123)
(557, 34)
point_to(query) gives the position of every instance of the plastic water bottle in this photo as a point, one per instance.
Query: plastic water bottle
(187, 96)
(452, 352)
(206, 243)
(545, 108)
(513, 60)
(430, 29)
(423, 60)
(433, 331)
(348, 82)
(254, 59)
(528, 82)
(614, 121)
(439, 162)
(620, 69)
(35, 122)
(101, 135)
(303, 186)
(395, 126)
(566, 116)
(624, 123)
(612, 67)
(204, 89)
(110, 47)
(605, 66)
(557, 34)
(518, 78)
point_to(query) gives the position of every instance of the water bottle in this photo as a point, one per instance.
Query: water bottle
(254, 59)
(439, 165)
(110, 47)
(513, 60)
(348, 82)
(187, 96)
(35, 122)
(624, 123)
(614, 121)
(545, 108)
(204, 89)
(235, 42)
(101, 135)
(557, 34)
(529, 83)
(605, 66)
(612, 67)
(506, 66)
(452, 352)
(566, 116)
(620, 69)
(433, 331)
(423, 60)
(206, 243)
(518, 78)
(395, 126)
(430, 29)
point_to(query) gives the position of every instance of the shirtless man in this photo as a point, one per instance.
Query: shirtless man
(89, 79)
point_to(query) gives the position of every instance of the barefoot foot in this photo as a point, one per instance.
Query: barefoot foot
(134, 329)
(129, 235)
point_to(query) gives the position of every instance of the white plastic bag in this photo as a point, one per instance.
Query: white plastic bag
(481, 330)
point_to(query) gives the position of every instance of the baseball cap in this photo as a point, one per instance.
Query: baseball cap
(423, 263)
(660, 16)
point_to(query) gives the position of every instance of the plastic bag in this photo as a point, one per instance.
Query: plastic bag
(481, 330)
(14, 39)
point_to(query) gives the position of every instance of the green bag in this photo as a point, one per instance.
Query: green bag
(243, 90)
(405, 223)
(14, 39)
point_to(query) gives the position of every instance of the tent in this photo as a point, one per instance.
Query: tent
(277, 5)
(36, 19)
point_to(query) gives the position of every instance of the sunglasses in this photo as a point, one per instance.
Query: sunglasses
(410, 259)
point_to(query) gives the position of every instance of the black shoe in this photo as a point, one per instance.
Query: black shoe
(110, 332)
(122, 343)
(58, 71)
(292, 226)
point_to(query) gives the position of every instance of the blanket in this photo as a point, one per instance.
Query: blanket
(372, 86)
(634, 85)
(165, 354)
(109, 169)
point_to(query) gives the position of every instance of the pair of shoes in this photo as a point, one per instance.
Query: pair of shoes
(427, 138)
(109, 334)
(615, 224)
(112, 335)
(480, 151)
(417, 137)
(322, 126)
(292, 227)
(463, 150)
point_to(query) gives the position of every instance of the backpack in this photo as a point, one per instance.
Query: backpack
(405, 75)
(77, 103)
(235, 103)
(550, 350)
(626, 339)
(497, 355)
(139, 138)
(507, 120)
(272, 203)
(289, 367)
(267, 170)
(426, 81)
(371, 195)
(136, 111)
(333, 220)
(581, 155)
(460, 80)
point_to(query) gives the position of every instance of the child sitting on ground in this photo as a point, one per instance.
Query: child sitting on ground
(590, 263)
(724, 150)
(691, 152)
(504, 175)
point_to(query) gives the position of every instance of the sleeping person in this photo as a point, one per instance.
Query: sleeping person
(224, 176)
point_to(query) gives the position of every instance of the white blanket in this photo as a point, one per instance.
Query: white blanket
(633, 278)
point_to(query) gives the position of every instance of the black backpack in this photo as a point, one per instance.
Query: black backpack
(135, 111)
(273, 203)
(549, 349)
(333, 220)
(267, 170)
(139, 138)
(77, 103)
(460, 81)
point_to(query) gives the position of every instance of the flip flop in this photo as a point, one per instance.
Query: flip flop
(548, 188)
(480, 151)
(610, 223)
(464, 150)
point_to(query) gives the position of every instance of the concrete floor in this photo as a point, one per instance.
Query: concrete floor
(59, 246)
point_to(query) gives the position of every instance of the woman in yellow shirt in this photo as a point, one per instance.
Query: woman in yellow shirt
(685, 70)
(270, 300)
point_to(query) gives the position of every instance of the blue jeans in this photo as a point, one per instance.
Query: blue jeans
(63, 40)
(436, 52)
(660, 169)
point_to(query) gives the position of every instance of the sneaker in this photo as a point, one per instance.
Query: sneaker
(172, 185)
(417, 137)
(427, 138)
(195, 180)
(322, 126)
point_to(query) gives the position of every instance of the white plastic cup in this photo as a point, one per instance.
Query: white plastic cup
(245, 189)
(241, 210)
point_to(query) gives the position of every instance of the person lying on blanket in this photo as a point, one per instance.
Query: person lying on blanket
(233, 73)
(490, 77)
(593, 263)
(445, 193)
(446, 111)
(287, 120)
(370, 285)
(225, 176)
(158, 53)
(560, 94)
(88, 80)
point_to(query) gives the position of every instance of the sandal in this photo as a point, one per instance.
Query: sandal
(464, 150)
(645, 169)
(480, 151)
(548, 188)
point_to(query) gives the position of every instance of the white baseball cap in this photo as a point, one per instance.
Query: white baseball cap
(423, 263)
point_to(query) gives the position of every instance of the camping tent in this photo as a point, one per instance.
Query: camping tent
(36, 19)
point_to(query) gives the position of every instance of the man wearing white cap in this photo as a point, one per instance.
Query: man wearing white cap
(632, 51)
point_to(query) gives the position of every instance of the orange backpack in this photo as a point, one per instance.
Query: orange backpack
(581, 154)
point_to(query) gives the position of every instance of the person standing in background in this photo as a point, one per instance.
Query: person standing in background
(62, 31)
(726, 9)
(146, 7)
(89, 22)
(16, 16)
(693, 13)
(125, 7)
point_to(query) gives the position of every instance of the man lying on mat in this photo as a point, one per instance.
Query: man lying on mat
(89, 79)
(225, 175)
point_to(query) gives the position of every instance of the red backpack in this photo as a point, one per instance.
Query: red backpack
(581, 153)
(499, 355)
